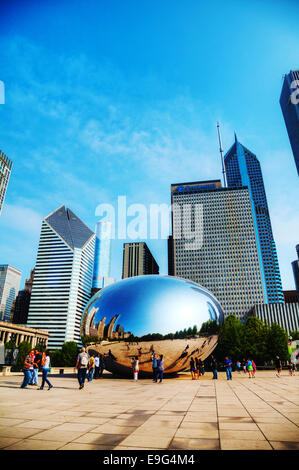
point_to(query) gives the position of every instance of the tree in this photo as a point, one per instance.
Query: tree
(69, 352)
(230, 339)
(254, 340)
(277, 340)
(294, 335)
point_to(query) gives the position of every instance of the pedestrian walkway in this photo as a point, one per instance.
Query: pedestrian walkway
(110, 413)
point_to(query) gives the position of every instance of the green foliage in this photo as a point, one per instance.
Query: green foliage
(69, 352)
(277, 343)
(230, 339)
(254, 339)
(24, 348)
(294, 335)
(210, 327)
(56, 358)
(10, 345)
(86, 340)
(254, 336)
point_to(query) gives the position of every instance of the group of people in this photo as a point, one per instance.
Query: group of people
(89, 367)
(33, 363)
(197, 368)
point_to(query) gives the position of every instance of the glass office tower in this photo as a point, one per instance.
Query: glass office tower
(138, 260)
(243, 169)
(102, 257)
(62, 277)
(289, 102)
(10, 278)
(214, 243)
(5, 170)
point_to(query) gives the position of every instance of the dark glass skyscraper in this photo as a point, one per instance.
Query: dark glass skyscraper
(289, 102)
(243, 169)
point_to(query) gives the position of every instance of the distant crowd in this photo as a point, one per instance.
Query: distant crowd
(92, 366)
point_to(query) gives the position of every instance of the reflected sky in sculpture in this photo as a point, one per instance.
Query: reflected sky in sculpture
(152, 304)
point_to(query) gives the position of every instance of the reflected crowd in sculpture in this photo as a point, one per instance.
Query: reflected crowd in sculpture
(140, 315)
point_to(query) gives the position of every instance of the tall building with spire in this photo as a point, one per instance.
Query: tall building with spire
(5, 170)
(244, 169)
(63, 277)
(289, 102)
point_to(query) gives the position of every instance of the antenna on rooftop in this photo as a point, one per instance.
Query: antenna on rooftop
(222, 159)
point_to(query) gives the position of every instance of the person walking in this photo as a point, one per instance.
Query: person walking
(135, 367)
(46, 367)
(36, 367)
(290, 367)
(254, 368)
(102, 365)
(278, 366)
(228, 368)
(91, 367)
(197, 368)
(155, 366)
(97, 366)
(192, 368)
(238, 366)
(81, 366)
(161, 368)
(244, 365)
(249, 368)
(27, 369)
(214, 367)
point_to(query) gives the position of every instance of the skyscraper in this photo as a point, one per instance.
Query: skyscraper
(243, 169)
(5, 170)
(20, 308)
(289, 102)
(214, 243)
(10, 278)
(102, 257)
(138, 260)
(295, 266)
(63, 276)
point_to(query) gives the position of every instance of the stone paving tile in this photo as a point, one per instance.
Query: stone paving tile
(37, 424)
(7, 441)
(100, 439)
(77, 446)
(244, 444)
(76, 427)
(34, 444)
(280, 432)
(235, 419)
(197, 433)
(145, 440)
(233, 426)
(54, 435)
(227, 434)
(10, 421)
(109, 428)
(191, 444)
(278, 445)
(14, 432)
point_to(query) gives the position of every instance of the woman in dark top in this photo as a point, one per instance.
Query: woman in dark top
(192, 368)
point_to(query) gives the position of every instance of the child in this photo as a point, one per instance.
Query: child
(135, 366)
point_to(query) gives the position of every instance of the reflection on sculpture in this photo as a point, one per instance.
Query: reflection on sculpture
(145, 314)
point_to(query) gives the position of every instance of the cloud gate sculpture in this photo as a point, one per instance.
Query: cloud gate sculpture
(145, 314)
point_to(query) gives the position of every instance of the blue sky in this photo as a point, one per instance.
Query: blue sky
(109, 98)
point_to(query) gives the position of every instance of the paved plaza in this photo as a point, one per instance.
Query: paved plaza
(179, 414)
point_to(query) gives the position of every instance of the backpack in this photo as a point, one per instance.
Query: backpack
(84, 361)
